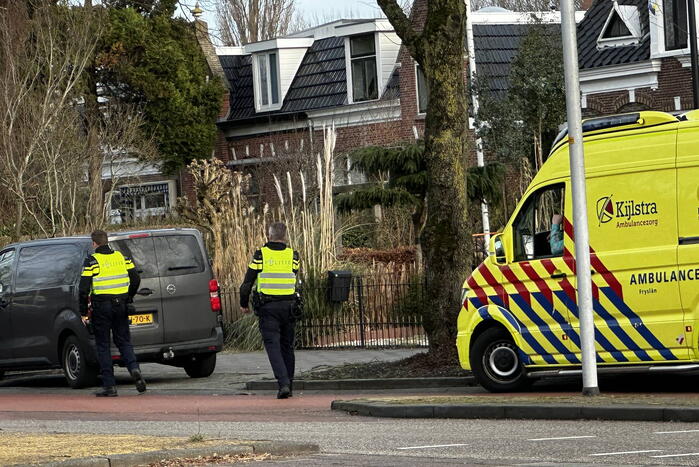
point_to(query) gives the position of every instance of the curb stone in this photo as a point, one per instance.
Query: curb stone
(354, 384)
(520, 411)
(275, 448)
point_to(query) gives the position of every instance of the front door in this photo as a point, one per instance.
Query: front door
(534, 297)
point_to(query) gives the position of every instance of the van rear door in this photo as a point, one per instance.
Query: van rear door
(184, 279)
(147, 323)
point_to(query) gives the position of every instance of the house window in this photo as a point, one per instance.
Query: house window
(675, 24)
(139, 201)
(423, 94)
(363, 62)
(616, 28)
(268, 80)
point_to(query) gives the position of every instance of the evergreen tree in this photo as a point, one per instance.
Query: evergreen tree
(525, 120)
(407, 182)
(153, 60)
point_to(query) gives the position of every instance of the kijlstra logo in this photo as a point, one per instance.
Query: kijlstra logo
(605, 209)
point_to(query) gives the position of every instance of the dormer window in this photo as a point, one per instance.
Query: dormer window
(363, 65)
(266, 81)
(622, 28)
(675, 24)
(616, 28)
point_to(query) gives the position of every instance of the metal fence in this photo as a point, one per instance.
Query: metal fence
(378, 313)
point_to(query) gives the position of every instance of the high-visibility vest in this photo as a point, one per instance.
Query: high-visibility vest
(113, 276)
(277, 275)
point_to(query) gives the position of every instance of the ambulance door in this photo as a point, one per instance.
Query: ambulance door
(688, 230)
(531, 291)
(632, 219)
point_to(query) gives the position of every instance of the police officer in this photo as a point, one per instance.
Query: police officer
(275, 267)
(111, 281)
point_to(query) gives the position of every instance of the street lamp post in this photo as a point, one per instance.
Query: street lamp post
(577, 176)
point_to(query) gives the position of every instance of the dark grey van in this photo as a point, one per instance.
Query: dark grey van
(177, 318)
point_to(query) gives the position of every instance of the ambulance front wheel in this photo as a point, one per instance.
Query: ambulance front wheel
(496, 363)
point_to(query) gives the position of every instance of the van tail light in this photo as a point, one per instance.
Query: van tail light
(214, 297)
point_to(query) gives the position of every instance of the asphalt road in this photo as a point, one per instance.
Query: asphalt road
(218, 407)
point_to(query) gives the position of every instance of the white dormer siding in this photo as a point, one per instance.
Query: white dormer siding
(274, 65)
(387, 54)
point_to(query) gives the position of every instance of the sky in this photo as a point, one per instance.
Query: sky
(317, 11)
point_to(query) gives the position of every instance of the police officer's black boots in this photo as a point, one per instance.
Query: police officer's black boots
(284, 392)
(109, 391)
(138, 380)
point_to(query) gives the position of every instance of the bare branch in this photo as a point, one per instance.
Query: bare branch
(404, 28)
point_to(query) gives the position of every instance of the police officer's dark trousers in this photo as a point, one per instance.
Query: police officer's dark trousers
(277, 329)
(110, 314)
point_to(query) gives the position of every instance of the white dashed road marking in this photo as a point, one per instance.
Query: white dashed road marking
(560, 438)
(671, 432)
(625, 452)
(679, 455)
(433, 446)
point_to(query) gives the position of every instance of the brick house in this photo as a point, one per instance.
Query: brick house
(353, 74)
(634, 55)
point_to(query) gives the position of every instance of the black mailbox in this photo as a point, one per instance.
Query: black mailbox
(339, 283)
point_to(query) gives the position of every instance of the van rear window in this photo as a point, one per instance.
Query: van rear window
(178, 255)
(142, 253)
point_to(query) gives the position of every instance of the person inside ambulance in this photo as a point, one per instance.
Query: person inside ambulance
(556, 235)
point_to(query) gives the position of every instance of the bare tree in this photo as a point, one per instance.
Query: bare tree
(47, 151)
(43, 54)
(244, 21)
(521, 5)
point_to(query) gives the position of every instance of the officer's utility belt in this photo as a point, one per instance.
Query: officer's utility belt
(259, 299)
(108, 298)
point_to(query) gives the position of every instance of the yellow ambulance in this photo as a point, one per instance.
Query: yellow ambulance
(519, 319)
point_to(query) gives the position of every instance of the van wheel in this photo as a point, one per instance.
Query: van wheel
(77, 370)
(201, 365)
(496, 363)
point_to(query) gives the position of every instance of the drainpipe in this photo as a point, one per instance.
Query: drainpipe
(471, 51)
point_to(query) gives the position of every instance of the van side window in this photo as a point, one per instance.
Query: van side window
(46, 266)
(178, 255)
(6, 259)
(538, 229)
(142, 252)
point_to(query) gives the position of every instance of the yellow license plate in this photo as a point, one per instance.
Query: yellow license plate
(136, 320)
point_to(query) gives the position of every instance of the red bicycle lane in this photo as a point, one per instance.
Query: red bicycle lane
(157, 407)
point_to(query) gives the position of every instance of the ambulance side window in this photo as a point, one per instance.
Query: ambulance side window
(536, 236)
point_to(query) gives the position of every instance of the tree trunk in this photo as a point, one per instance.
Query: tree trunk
(19, 220)
(446, 238)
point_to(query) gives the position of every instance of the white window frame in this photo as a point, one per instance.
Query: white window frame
(624, 12)
(417, 92)
(257, 78)
(348, 67)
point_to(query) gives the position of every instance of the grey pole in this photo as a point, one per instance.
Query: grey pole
(474, 98)
(693, 51)
(577, 176)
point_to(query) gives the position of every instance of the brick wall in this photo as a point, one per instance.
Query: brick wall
(674, 80)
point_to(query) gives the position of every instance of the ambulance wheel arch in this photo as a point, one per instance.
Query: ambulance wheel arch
(496, 360)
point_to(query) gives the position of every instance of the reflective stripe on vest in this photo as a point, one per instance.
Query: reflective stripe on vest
(277, 276)
(113, 278)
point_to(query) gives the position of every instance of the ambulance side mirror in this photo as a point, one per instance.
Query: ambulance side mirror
(498, 249)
